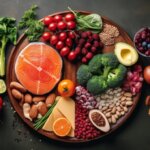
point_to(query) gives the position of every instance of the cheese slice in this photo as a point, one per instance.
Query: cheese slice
(48, 126)
(65, 107)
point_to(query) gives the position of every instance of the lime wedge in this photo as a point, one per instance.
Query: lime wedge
(2, 86)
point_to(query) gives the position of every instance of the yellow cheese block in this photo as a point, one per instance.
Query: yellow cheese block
(67, 107)
(64, 108)
(48, 126)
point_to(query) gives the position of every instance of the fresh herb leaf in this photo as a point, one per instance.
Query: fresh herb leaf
(35, 27)
(91, 22)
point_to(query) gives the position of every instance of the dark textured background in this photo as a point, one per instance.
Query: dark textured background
(135, 133)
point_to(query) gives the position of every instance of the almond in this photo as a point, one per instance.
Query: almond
(18, 86)
(28, 98)
(50, 99)
(37, 99)
(33, 112)
(16, 94)
(42, 109)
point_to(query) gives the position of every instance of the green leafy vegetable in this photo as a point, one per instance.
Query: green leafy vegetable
(29, 20)
(91, 22)
(40, 122)
(8, 33)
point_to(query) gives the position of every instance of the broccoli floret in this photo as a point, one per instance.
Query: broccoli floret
(97, 85)
(95, 65)
(109, 61)
(116, 76)
(83, 74)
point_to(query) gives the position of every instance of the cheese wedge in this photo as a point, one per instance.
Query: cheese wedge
(65, 107)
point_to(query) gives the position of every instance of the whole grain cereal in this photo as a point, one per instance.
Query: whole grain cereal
(108, 34)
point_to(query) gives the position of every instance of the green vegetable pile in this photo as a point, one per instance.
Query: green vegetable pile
(103, 71)
(8, 33)
(92, 22)
(35, 27)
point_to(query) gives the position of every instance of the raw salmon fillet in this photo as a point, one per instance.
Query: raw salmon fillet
(38, 68)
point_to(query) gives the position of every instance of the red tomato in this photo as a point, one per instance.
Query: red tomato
(46, 36)
(47, 20)
(69, 42)
(53, 39)
(59, 45)
(69, 17)
(52, 26)
(61, 25)
(62, 36)
(58, 18)
(71, 34)
(66, 88)
(72, 56)
(65, 51)
(71, 25)
(147, 74)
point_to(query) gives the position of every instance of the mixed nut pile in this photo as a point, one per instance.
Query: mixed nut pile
(33, 106)
(114, 103)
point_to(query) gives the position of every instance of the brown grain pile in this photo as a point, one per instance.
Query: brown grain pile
(108, 34)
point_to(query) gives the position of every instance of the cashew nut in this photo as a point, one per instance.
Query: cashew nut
(26, 109)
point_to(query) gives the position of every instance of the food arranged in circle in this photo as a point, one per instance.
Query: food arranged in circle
(80, 80)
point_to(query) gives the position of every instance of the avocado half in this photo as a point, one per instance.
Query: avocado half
(126, 54)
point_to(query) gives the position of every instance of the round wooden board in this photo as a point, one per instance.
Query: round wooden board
(69, 72)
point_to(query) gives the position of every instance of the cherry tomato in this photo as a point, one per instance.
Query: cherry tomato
(52, 26)
(71, 25)
(47, 20)
(58, 18)
(59, 45)
(71, 34)
(64, 51)
(62, 36)
(72, 56)
(69, 42)
(1, 103)
(66, 88)
(147, 74)
(61, 25)
(53, 39)
(46, 36)
(69, 17)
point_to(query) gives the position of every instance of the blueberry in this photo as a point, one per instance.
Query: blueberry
(144, 44)
(148, 46)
